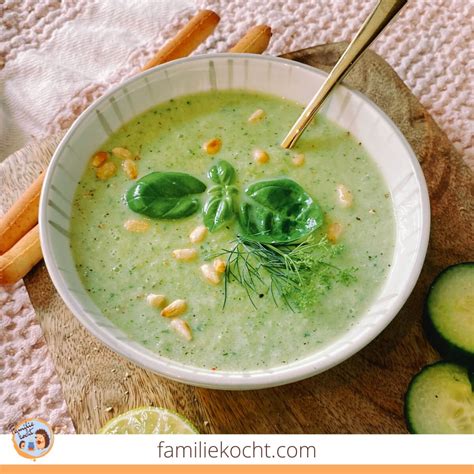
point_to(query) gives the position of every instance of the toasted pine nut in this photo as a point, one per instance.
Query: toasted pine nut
(298, 159)
(99, 159)
(130, 168)
(175, 308)
(334, 232)
(261, 157)
(106, 171)
(258, 115)
(344, 195)
(185, 254)
(211, 147)
(210, 274)
(182, 327)
(155, 301)
(372, 211)
(219, 265)
(122, 153)
(198, 234)
(135, 225)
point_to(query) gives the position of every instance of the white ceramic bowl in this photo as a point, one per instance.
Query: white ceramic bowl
(280, 77)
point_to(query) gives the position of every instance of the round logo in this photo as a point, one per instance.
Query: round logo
(33, 438)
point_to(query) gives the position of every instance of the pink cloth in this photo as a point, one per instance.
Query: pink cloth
(430, 46)
(29, 386)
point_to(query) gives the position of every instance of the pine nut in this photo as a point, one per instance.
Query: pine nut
(210, 274)
(99, 159)
(130, 168)
(298, 159)
(258, 115)
(155, 301)
(122, 153)
(198, 234)
(176, 308)
(106, 171)
(219, 265)
(135, 225)
(211, 147)
(260, 157)
(334, 232)
(344, 195)
(185, 254)
(182, 327)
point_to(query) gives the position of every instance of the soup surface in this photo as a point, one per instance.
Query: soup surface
(258, 327)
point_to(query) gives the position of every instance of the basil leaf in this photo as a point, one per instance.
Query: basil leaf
(279, 211)
(220, 207)
(218, 211)
(222, 173)
(165, 195)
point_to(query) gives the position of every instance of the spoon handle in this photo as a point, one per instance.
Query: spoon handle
(372, 27)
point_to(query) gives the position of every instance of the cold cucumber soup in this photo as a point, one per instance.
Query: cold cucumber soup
(198, 236)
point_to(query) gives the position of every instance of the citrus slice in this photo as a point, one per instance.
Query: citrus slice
(149, 420)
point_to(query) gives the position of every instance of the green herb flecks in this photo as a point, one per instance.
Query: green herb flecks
(296, 275)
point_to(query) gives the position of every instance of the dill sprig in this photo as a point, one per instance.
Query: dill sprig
(296, 274)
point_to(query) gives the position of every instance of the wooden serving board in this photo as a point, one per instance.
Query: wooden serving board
(363, 394)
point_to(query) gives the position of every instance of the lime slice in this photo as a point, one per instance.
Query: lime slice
(149, 420)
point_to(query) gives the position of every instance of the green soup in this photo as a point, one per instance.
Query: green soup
(120, 268)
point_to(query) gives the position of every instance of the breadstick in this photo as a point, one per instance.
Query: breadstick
(254, 41)
(21, 217)
(187, 40)
(21, 258)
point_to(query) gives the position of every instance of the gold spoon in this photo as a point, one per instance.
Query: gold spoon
(383, 13)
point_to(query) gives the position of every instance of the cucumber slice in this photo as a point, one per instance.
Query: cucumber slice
(440, 400)
(449, 313)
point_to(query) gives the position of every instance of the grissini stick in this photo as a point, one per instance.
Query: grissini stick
(21, 258)
(21, 217)
(187, 40)
(255, 40)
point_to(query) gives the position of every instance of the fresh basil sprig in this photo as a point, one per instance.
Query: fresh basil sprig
(278, 211)
(222, 173)
(220, 208)
(165, 195)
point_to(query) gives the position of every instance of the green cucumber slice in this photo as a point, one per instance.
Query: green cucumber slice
(440, 400)
(449, 313)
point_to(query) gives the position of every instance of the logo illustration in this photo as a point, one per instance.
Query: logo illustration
(33, 438)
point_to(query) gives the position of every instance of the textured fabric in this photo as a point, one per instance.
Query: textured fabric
(59, 56)
(28, 386)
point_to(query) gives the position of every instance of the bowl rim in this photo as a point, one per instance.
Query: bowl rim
(195, 376)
